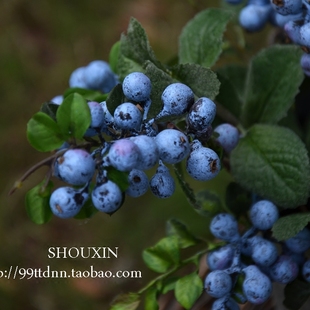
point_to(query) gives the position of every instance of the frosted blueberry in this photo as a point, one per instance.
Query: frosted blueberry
(108, 117)
(75, 167)
(305, 63)
(66, 202)
(218, 283)
(203, 163)
(149, 151)
(306, 270)
(77, 78)
(224, 226)
(284, 270)
(228, 136)
(57, 99)
(201, 114)
(127, 116)
(124, 155)
(225, 303)
(107, 197)
(221, 258)
(138, 183)
(304, 33)
(287, 7)
(256, 286)
(173, 146)
(99, 76)
(264, 252)
(280, 20)
(263, 214)
(292, 29)
(300, 242)
(162, 184)
(137, 86)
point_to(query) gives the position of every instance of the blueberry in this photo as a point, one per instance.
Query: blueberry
(263, 214)
(228, 136)
(218, 283)
(138, 183)
(127, 116)
(300, 242)
(202, 164)
(107, 197)
(264, 252)
(75, 167)
(220, 258)
(58, 99)
(224, 226)
(306, 270)
(305, 63)
(124, 155)
(225, 303)
(292, 29)
(287, 7)
(284, 270)
(305, 35)
(173, 146)
(66, 202)
(137, 87)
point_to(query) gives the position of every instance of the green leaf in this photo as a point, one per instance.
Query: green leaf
(238, 200)
(232, 79)
(188, 289)
(128, 301)
(87, 211)
(118, 177)
(88, 94)
(37, 203)
(160, 80)
(163, 255)
(151, 299)
(177, 228)
(115, 98)
(273, 80)
(135, 50)
(114, 56)
(73, 116)
(272, 162)
(202, 81)
(50, 109)
(200, 41)
(296, 294)
(288, 226)
(43, 133)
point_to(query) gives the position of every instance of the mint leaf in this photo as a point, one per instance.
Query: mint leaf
(163, 255)
(37, 203)
(289, 226)
(273, 80)
(201, 80)
(188, 289)
(73, 116)
(200, 41)
(43, 133)
(272, 162)
(128, 301)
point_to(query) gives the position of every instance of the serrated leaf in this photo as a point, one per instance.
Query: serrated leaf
(270, 89)
(288, 226)
(177, 228)
(201, 80)
(128, 301)
(272, 162)
(114, 56)
(50, 109)
(43, 133)
(200, 41)
(163, 255)
(115, 98)
(88, 94)
(151, 299)
(37, 203)
(296, 294)
(188, 289)
(73, 116)
(135, 50)
(160, 80)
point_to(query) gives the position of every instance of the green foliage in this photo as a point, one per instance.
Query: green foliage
(87, 94)
(126, 302)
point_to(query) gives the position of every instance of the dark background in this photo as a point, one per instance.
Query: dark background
(41, 43)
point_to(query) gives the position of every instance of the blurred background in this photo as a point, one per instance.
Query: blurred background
(41, 43)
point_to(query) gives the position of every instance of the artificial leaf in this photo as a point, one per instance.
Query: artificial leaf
(188, 289)
(200, 41)
(73, 116)
(270, 89)
(163, 255)
(272, 162)
(296, 294)
(37, 203)
(288, 226)
(43, 133)
(128, 301)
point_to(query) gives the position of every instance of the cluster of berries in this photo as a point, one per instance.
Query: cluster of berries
(253, 259)
(291, 15)
(132, 143)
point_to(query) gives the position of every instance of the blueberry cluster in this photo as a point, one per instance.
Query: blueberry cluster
(131, 143)
(254, 258)
(291, 15)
